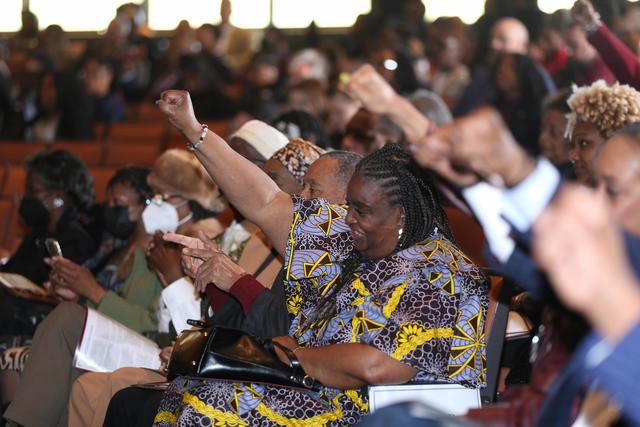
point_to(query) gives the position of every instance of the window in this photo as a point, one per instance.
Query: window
(10, 17)
(166, 14)
(75, 15)
(468, 10)
(326, 13)
(550, 6)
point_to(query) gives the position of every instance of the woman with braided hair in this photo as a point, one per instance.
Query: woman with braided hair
(377, 292)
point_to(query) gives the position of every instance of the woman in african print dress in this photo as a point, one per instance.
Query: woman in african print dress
(377, 293)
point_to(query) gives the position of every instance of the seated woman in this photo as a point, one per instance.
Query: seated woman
(58, 187)
(185, 196)
(377, 292)
(520, 89)
(64, 110)
(127, 192)
(597, 111)
(92, 392)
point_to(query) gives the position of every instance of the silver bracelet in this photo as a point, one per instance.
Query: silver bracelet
(592, 26)
(194, 146)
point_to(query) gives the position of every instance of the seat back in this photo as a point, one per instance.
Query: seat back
(14, 182)
(6, 211)
(468, 234)
(90, 152)
(15, 228)
(16, 152)
(101, 176)
(149, 132)
(131, 153)
(500, 295)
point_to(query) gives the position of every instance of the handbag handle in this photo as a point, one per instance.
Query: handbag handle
(297, 373)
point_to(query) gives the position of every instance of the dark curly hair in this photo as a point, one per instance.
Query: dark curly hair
(136, 178)
(63, 171)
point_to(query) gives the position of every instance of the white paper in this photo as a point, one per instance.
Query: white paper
(107, 345)
(16, 281)
(452, 399)
(182, 302)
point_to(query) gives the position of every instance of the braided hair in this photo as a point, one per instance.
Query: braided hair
(406, 185)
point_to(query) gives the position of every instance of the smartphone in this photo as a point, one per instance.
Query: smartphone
(53, 248)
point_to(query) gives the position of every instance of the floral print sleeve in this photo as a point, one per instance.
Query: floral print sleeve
(318, 240)
(435, 316)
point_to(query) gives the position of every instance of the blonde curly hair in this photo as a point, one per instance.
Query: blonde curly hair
(607, 107)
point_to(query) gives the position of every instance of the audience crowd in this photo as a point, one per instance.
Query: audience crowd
(337, 217)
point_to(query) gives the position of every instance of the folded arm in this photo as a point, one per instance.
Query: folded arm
(350, 366)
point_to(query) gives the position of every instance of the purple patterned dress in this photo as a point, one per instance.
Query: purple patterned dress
(425, 306)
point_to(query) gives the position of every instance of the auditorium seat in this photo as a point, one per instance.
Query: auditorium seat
(90, 152)
(14, 181)
(16, 152)
(6, 210)
(101, 176)
(146, 112)
(130, 153)
(468, 234)
(149, 132)
(15, 228)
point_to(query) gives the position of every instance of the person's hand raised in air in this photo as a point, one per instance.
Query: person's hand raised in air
(177, 106)
(585, 15)
(478, 145)
(579, 245)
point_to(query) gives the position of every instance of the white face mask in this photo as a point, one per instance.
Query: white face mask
(162, 216)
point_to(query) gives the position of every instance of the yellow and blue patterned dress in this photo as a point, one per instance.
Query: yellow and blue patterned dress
(424, 306)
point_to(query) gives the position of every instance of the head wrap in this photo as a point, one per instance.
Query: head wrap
(264, 138)
(297, 156)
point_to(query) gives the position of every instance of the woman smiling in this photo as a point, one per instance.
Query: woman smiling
(377, 292)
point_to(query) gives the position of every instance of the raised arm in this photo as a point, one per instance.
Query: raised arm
(622, 61)
(245, 185)
(378, 96)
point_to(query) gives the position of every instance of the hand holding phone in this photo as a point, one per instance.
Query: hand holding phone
(53, 248)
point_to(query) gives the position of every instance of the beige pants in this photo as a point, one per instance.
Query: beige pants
(91, 393)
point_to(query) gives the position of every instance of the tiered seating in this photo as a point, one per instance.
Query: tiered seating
(128, 153)
(137, 142)
(14, 181)
(16, 152)
(101, 176)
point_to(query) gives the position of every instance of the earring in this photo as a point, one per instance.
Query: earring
(58, 202)
(400, 233)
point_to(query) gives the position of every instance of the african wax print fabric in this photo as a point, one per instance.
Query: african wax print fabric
(424, 306)
(297, 156)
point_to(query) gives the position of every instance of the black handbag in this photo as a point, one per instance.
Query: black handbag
(231, 354)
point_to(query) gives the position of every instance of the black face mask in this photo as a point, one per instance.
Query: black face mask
(34, 213)
(116, 221)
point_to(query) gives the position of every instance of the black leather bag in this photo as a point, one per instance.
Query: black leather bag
(233, 355)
